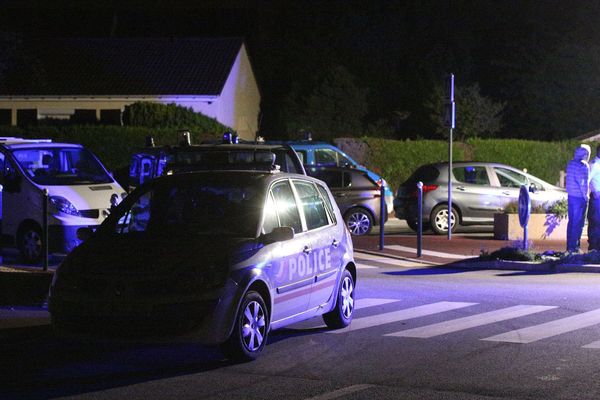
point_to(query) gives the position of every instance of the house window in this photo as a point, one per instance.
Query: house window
(111, 117)
(84, 117)
(5, 116)
(27, 117)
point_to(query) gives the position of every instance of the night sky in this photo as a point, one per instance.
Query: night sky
(540, 59)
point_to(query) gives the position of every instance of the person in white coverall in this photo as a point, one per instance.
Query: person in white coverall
(593, 215)
(577, 183)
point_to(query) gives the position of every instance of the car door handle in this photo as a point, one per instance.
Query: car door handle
(506, 193)
(340, 195)
(307, 249)
(461, 188)
(335, 243)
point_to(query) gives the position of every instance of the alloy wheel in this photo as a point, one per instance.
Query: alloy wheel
(253, 326)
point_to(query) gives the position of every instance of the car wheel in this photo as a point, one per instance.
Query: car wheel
(359, 221)
(439, 219)
(29, 242)
(250, 330)
(341, 315)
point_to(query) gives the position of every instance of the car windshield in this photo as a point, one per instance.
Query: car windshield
(208, 207)
(213, 159)
(61, 166)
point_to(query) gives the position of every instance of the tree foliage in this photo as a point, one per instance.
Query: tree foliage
(476, 115)
(157, 115)
(335, 106)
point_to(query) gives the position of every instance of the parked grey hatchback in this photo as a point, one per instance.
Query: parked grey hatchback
(479, 189)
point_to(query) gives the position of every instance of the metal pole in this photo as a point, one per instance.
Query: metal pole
(450, 186)
(383, 210)
(45, 230)
(419, 218)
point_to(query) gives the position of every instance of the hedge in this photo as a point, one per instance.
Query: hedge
(396, 160)
(156, 115)
(112, 144)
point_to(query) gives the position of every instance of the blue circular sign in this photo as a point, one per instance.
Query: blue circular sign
(524, 205)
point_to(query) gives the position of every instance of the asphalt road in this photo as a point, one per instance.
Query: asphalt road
(418, 333)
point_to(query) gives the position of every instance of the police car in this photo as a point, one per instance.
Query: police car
(223, 256)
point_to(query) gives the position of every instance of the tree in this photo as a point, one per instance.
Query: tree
(476, 115)
(334, 106)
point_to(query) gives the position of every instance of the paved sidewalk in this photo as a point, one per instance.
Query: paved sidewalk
(439, 250)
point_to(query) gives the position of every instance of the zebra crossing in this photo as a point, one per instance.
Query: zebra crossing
(530, 334)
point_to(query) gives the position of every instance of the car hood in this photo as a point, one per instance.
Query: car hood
(159, 256)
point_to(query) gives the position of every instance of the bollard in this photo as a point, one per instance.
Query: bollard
(45, 230)
(419, 218)
(382, 212)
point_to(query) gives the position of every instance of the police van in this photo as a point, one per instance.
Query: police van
(79, 188)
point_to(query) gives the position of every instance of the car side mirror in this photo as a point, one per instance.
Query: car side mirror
(279, 234)
(533, 188)
(84, 233)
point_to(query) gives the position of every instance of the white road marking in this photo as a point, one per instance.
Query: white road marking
(386, 260)
(549, 329)
(472, 321)
(401, 315)
(593, 345)
(340, 392)
(430, 252)
(369, 302)
(365, 266)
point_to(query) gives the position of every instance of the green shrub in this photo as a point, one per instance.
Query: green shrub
(157, 115)
(396, 160)
(112, 144)
(558, 208)
(542, 159)
(511, 254)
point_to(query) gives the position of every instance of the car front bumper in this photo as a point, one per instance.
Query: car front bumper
(205, 318)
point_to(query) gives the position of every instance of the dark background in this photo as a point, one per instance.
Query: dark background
(541, 59)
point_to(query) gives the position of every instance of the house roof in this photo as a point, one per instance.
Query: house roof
(116, 66)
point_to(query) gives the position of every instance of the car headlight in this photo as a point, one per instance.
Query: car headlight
(63, 205)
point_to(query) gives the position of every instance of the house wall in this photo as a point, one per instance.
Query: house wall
(238, 106)
(240, 99)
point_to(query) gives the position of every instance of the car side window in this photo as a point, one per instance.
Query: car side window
(357, 179)
(333, 179)
(271, 221)
(312, 205)
(325, 157)
(473, 175)
(136, 219)
(509, 178)
(327, 201)
(302, 156)
(285, 206)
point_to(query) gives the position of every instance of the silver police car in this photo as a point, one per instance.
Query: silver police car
(223, 257)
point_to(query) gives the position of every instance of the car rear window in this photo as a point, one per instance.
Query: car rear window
(425, 174)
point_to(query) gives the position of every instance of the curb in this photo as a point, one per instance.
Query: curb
(395, 257)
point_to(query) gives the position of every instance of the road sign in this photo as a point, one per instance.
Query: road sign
(450, 115)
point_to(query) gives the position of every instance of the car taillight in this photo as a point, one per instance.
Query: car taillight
(379, 183)
(426, 188)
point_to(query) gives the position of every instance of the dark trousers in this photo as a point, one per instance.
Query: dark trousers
(593, 217)
(577, 207)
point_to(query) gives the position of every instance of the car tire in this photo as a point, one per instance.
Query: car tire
(342, 313)
(250, 330)
(30, 243)
(359, 221)
(439, 219)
